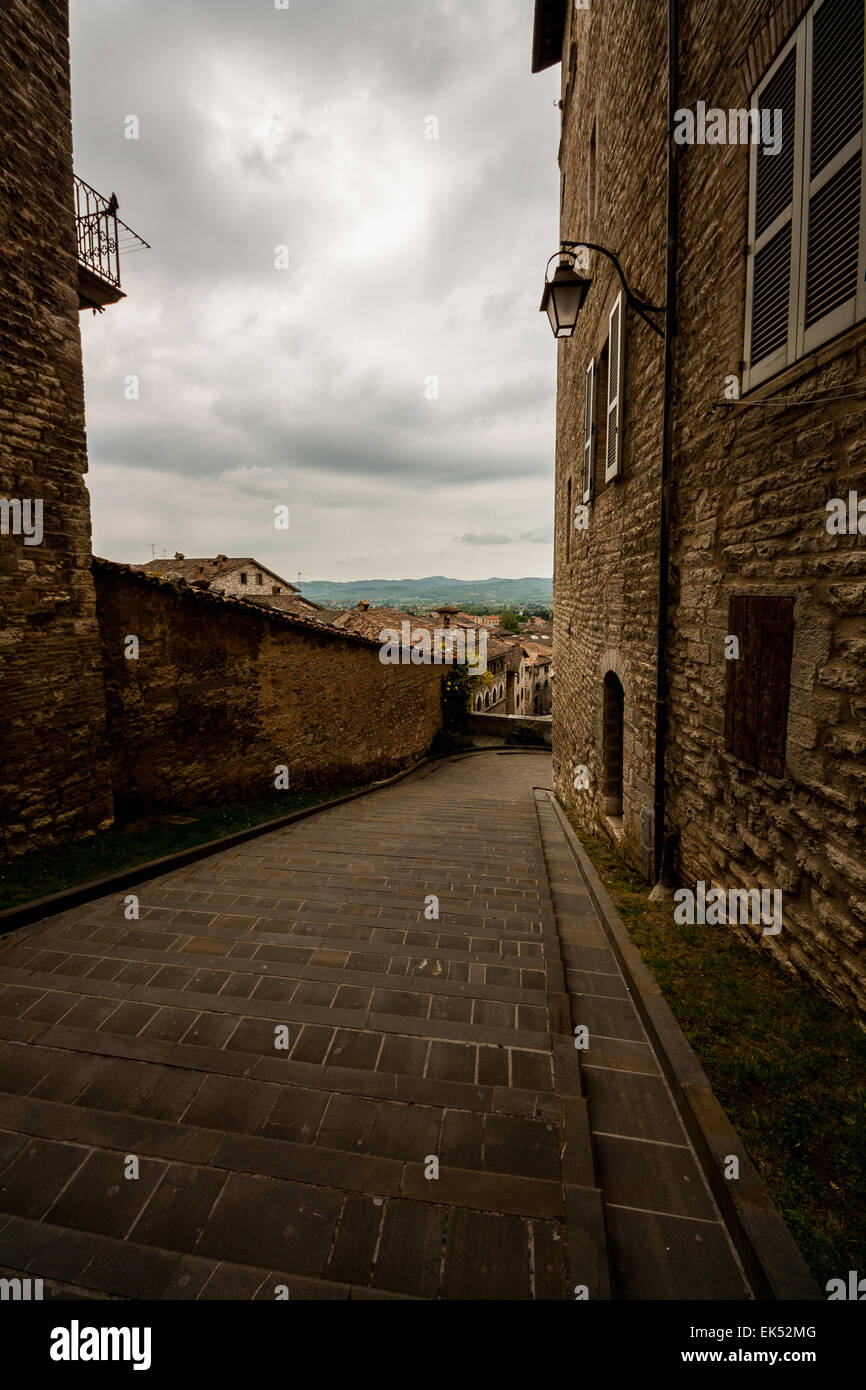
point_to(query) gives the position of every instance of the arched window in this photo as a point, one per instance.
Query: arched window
(487, 700)
(614, 703)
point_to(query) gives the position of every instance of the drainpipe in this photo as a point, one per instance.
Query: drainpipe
(667, 425)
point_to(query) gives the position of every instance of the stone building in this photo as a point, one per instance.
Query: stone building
(238, 577)
(762, 778)
(54, 779)
(241, 577)
(538, 660)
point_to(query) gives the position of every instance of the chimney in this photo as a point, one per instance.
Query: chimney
(179, 555)
(445, 613)
(363, 605)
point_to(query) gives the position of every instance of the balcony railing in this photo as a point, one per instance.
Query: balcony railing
(102, 237)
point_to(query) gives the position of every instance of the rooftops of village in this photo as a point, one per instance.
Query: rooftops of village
(371, 622)
(537, 653)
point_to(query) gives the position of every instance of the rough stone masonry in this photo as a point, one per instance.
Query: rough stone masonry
(751, 482)
(53, 761)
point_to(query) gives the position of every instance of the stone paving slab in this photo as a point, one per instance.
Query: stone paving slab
(407, 1038)
(293, 1044)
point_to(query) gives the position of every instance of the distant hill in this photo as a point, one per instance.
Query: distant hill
(489, 594)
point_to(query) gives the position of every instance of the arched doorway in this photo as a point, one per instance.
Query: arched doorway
(614, 705)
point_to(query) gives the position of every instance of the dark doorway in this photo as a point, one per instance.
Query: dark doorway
(614, 703)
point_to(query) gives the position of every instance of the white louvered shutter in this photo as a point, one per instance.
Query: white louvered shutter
(775, 201)
(831, 266)
(589, 431)
(615, 401)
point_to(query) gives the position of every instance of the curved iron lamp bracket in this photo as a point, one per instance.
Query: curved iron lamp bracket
(641, 307)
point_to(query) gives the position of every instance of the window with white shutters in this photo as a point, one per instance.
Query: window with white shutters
(805, 279)
(589, 431)
(615, 378)
(833, 159)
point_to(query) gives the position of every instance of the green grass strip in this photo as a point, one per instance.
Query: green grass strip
(787, 1066)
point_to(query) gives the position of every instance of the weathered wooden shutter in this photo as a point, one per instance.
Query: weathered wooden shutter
(777, 643)
(615, 397)
(833, 160)
(775, 212)
(756, 713)
(589, 430)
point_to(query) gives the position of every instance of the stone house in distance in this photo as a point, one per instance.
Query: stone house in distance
(537, 663)
(241, 577)
(758, 779)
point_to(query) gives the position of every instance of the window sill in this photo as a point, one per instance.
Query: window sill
(808, 364)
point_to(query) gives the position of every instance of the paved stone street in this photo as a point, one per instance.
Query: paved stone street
(408, 1040)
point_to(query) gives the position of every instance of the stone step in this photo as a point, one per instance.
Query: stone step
(229, 941)
(170, 1113)
(155, 1038)
(89, 1265)
(325, 1215)
(133, 965)
(130, 1009)
(199, 1057)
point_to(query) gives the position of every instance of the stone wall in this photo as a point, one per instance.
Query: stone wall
(232, 585)
(493, 725)
(53, 768)
(604, 577)
(749, 492)
(749, 517)
(222, 693)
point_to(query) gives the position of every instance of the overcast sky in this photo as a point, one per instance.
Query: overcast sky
(408, 259)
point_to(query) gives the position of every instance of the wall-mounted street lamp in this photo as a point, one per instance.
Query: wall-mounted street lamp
(563, 298)
(564, 295)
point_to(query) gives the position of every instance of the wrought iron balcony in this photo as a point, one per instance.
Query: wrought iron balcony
(102, 237)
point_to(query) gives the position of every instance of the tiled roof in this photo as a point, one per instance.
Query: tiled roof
(288, 603)
(537, 653)
(370, 622)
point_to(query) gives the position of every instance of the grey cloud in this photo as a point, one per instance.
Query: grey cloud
(407, 258)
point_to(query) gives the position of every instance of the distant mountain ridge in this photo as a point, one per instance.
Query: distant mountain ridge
(491, 594)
